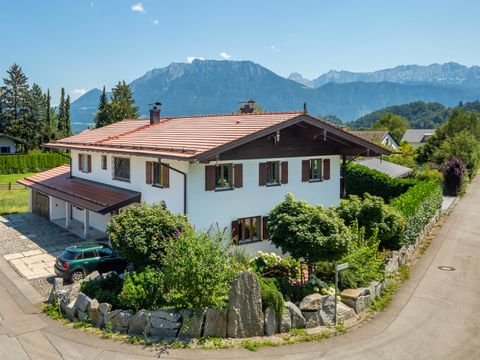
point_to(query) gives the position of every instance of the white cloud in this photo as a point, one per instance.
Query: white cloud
(191, 58)
(138, 7)
(76, 93)
(155, 22)
(274, 48)
(225, 56)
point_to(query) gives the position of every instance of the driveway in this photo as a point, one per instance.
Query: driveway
(434, 315)
(30, 244)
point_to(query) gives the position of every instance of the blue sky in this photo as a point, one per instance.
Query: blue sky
(81, 44)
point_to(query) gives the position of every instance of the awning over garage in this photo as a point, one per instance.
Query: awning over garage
(87, 194)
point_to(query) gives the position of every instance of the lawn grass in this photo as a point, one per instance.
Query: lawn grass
(12, 178)
(13, 201)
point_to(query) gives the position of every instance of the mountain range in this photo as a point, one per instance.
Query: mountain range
(209, 86)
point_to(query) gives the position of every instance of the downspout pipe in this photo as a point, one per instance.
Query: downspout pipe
(184, 184)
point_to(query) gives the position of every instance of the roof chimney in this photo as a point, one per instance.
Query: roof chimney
(247, 107)
(155, 112)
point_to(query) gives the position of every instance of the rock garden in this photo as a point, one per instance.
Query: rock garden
(194, 285)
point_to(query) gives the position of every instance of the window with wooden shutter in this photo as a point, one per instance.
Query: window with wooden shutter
(238, 175)
(265, 234)
(89, 163)
(148, 172)
(284, 176)
(262, 174)
(326, 169)
(80, 161)
(305, 170)
(165, 176)
(210, 177)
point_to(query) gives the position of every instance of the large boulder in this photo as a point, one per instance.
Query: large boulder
(164, 323)
(82, 302)
(312, 319)
(344, 312)
(245, 315)
(119, 319)
(71, 311)
(82, 316)
(311, 302)
(327, 312)
(297, 319)
(94, 314)
(56, 288)
(64, 298)
(193, 324)
(75, 290)
(92, 276)
(104, 308)
(271, 322)
(360, 304)
(285, 321)
(138, 323)
(215, 323)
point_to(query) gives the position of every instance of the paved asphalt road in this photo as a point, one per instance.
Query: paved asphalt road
(435, 314)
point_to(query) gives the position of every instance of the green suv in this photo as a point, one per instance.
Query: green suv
(76, 262)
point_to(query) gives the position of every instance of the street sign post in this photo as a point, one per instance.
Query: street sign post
(338, 268)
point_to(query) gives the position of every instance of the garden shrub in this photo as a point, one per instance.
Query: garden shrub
(454, 171)
(308, 232)
(142, 290)
(429, 174)
(418, 205)
(361, 180)
(271, 296)
(375, 216)
(28, 163)
(198, 271)
(104, 289)
(139, 232)
(271, 265)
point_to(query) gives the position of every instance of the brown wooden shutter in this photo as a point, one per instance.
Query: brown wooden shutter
(305, 170)
(265, 234)
(235, 228)
(89, 161)
(262, 174)
(326, 169)
(165, 176)
(148, 172)
(80, 162)
(284, 171)
(210, 177)
(238, 175)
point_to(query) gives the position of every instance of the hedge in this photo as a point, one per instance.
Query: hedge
(419, 205)
(20, 164)
(361, 180)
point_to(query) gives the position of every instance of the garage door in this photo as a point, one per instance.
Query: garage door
(40, 204)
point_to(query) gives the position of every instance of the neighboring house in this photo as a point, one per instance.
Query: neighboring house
(386, 167)
(417, 137)
(383, 137)
(221, 170)
(8, 144)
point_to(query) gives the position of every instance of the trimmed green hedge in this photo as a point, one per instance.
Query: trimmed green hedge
(419, 205)
(361, 180)
(21, 164)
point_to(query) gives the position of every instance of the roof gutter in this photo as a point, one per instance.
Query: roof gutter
(184, 184)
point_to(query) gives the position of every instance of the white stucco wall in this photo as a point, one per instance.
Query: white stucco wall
(211, 207)
(173, 196)
(5, 141)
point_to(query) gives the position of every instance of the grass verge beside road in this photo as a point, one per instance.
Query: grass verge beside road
(13, 201)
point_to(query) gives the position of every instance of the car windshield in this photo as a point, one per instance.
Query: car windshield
(70, 255)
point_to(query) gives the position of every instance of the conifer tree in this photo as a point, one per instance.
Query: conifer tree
(61, 127)
(101, 117)
(67, 117)
(122, 105)
(15, 99)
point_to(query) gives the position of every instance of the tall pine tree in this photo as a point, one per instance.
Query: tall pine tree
(37, 122)
(15, 104)
(67, 116)
(101, 117)
(61, 125)
(122, 105)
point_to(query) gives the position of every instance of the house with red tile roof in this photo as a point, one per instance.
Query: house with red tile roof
(220, 170)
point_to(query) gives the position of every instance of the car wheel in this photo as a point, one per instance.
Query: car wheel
(77, 276)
